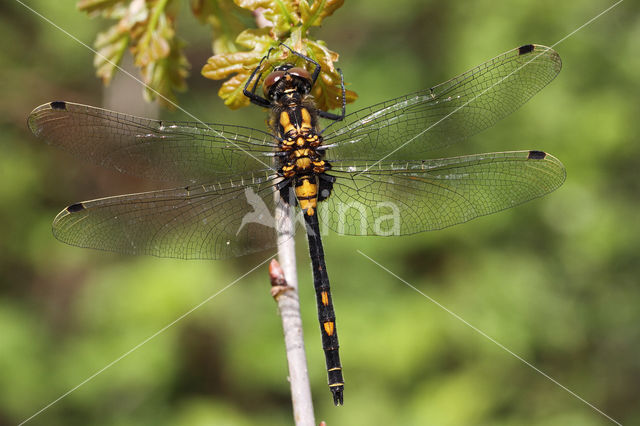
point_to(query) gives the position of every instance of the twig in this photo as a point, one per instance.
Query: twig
(285, 291)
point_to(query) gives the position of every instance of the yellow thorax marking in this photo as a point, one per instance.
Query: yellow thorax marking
(306, 118)
(288, 171)
(302, 152)
(318, 166)
(285, 122)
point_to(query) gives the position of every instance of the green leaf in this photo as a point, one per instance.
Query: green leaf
(255, 4)
(258, 40)
(222, 66)
(312, 15)
(232, 91)
(110, 46)
(327, 90)
(226, 20)
(167, 75)
(239, 63)
(282, 14)
(94, 7)
(154, 44)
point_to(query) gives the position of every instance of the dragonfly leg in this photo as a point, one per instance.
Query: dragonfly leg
(337, 117)
(251, 94)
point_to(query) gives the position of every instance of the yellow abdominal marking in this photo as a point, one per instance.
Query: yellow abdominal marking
(307, 196)
(306, 189)
(325, 298)
(307, 207)
(328, 328)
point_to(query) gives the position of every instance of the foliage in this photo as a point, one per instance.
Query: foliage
(148, 28)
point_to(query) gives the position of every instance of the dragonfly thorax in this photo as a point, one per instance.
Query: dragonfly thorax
(301, 163)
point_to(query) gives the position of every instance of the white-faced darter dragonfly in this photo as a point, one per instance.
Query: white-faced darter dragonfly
(355, 174)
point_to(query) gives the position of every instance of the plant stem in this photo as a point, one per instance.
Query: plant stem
(286, 295)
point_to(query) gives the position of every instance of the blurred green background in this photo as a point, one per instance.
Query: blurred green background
(554, 280)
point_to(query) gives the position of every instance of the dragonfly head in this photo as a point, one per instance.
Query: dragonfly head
(285, 81)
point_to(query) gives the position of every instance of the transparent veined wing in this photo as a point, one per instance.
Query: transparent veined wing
(184, 152)
(399, 198)
(198, 222)
(409, 126)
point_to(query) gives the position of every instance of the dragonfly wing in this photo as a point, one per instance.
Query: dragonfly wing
(184, 152)
(199, 222)
(406, 198)
(409, 126)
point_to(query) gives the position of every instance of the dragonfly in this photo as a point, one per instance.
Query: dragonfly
(365, 173)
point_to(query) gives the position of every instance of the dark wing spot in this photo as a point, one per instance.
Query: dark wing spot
(536, 155)
(74, 208)
(527, 48)
(58, 105)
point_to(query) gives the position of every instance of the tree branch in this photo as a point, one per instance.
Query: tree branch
(284, 290)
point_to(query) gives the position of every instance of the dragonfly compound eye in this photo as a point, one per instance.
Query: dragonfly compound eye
(271, 80)
(301, 72)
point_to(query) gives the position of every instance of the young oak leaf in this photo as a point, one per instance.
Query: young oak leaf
(255, 39)
(222, 66)
(328, 92)
(147, 28)
(153, 44)
(312, 15)
(95, 7)
(282, 14)
(239, 63)
(227, 21)
(110, 46)
(137, 14)
(328, 88)
(167, 75)
(232, 91)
